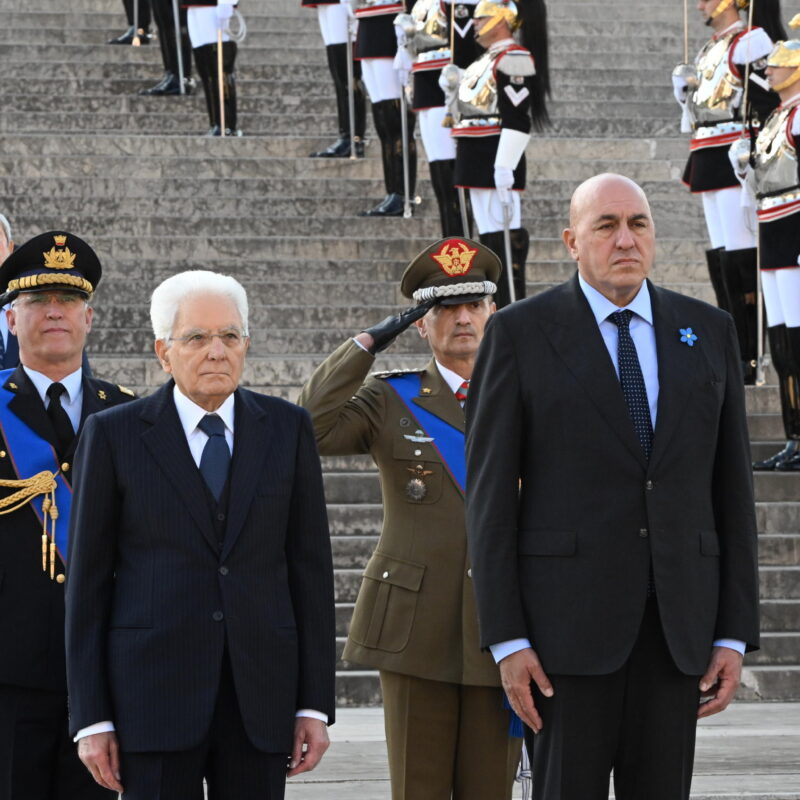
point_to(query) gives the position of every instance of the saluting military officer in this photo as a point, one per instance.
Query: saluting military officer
(415, 617)
(43, 403)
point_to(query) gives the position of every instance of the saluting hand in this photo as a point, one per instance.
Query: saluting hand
(100, 754)
(719, 684)
(516, 672)
(387, 330)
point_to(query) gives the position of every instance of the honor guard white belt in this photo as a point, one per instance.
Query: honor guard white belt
(433, 59)
(778, 206)
(716, 135)
(478, 126)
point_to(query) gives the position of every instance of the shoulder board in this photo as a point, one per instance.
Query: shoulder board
(751, 46)
(126, 390)
(516, 63)
(391, 373)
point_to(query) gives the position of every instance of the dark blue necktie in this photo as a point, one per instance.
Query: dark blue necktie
(630, 376)
(216, 456)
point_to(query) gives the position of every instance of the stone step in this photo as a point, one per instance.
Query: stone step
(765, 427)
(358, 688)
(777, 615)
(770, 683)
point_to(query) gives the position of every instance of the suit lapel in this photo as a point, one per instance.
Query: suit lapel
(27, 405)
(675, 367)
(165, 440)
(573, 331)
(251, 446)
(435, 397)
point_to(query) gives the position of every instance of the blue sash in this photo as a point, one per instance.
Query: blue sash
(447, 440)
(30, 454)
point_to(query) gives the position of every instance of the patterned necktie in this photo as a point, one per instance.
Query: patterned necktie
(462, 392)
(216, 456)
(630, 376)
(59, 418)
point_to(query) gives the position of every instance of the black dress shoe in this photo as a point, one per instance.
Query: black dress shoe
(773, 462)
(339, 149)
(128, 36)
(390, 206)
(212, 131)
(792, 463)
(169, 85)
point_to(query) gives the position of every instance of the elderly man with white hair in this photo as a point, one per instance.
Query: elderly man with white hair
(200, 617)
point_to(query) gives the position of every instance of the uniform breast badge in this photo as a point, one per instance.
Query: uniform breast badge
(416, 488)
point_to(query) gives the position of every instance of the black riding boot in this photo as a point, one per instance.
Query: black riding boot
(447, 197)
(165, 21)
(337, 64)
(790, 403)
(519, 254)
(739, 275)
(204, 62)
(715, 273)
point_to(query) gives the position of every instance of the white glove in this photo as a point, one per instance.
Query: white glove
(224, 13)
(402, 64)
(680, 88)
(739, 156)
(503, 181)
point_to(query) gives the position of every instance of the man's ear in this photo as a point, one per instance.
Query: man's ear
(162, 351)
(568, 237)
(422, 327)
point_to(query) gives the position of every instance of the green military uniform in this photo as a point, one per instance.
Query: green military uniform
(415, 617)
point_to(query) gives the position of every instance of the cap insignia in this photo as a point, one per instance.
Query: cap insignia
(455, 257)
(59, 259)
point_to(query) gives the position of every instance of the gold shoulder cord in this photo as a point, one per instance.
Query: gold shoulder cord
(43, 483)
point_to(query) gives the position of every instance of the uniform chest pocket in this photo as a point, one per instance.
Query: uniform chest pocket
(417, 472)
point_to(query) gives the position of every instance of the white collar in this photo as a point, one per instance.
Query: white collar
(452, 379)
(601, 306)
(72, 383)
(190, 413)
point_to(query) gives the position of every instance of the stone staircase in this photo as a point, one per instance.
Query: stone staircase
(80, 150)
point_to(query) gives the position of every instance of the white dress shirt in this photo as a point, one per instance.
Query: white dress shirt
(644, 338)
(71, 400)
(190, 414)
(452, 379)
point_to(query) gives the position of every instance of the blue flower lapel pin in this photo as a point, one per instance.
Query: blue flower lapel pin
(688, 337)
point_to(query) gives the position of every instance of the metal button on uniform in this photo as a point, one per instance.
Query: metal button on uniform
(648, 485)
(60, 578)
(469, 572)
(418, 452)
(2, 453)
(65, 467)
(643, 532)
(223, 570)
(385, 575)
(217, 616)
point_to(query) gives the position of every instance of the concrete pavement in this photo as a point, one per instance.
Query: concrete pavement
(751, 751)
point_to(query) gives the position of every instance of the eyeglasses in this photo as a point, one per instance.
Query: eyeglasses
(200, 340)
(46, 298)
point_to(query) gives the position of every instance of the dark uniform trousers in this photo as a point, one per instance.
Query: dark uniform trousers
(639, 721)
(233, 768)
(443, 739)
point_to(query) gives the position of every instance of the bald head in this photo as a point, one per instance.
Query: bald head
(597, 187)
(611, 235)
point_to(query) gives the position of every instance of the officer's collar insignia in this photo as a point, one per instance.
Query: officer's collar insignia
(102, 395)
(455, 257)
(425, 390)
(126, 390)
(13, 386)
(62, 258)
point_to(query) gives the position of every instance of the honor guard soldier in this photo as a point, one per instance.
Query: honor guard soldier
(43, 404)
(496, 100)
(164, 16)
(425, 37)
(775, 181)
(415, 618)
(376, 47)
(334, 25)
(711, 93)
(204, 21)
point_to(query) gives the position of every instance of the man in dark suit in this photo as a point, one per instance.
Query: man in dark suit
(44, 404)
(200, 617)
(610, 512)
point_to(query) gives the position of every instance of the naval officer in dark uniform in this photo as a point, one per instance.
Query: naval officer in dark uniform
(43, 403)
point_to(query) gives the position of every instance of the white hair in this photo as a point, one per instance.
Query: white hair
(169, 295)
(6, 226)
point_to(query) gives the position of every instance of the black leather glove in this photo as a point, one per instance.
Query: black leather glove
(386, 331)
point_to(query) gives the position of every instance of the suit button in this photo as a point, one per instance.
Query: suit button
(643, 533)
(469, 572)
(217, 616)
(221, 517)
(649, 485)
(223, 570)
(385, 575)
